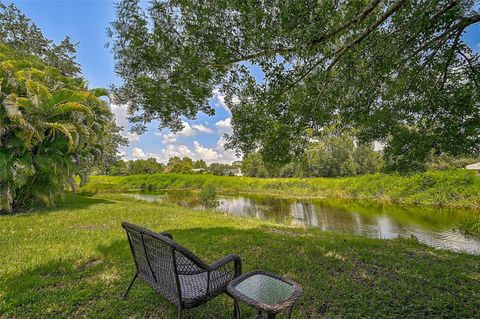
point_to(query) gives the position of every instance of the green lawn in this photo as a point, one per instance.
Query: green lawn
(74, 261)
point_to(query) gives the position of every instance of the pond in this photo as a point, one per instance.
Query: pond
(435, 228)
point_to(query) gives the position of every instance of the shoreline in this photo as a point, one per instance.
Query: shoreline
(458, 189)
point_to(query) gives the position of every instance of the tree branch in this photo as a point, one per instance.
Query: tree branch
(450, 57)
(357, 19)
(342, 51)
(470, 66)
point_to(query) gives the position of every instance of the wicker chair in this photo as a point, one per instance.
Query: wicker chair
(176, 273)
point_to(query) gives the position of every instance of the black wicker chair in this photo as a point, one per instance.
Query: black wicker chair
(176, 273)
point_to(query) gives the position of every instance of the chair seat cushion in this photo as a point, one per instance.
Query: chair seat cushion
(194, 288)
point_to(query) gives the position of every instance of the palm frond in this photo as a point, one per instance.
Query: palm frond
(23, 169)
(5, 166)
(99, 92)
(6, 197)
(38, 93)
(56, 128)
(12, 109)
(69, 107)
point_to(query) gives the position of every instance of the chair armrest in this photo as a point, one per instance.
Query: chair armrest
(166, 235)
(225, 261)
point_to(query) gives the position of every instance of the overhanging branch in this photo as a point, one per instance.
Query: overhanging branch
(321, 39)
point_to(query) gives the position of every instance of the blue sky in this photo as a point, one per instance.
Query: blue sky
(85, 22)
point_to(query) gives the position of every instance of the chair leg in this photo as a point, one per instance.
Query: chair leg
(180, 313)
(130, 285)
(289, 313)
(236, 310)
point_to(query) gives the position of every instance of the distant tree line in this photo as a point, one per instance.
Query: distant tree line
(175, 164)
(334, 155)
(341, 155)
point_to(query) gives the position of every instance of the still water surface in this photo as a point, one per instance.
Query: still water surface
(435, 228)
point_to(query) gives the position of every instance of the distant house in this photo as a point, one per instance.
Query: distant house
(474, 167)
(198, 170)
(232, 172)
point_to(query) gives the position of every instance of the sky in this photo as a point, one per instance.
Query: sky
(86, 21)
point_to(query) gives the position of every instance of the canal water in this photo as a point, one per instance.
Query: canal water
(434, 227)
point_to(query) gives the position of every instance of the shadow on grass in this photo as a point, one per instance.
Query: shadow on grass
(342, 276)
(68, 202)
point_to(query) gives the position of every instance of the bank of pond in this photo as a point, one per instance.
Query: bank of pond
(454, 189)
(438, 228)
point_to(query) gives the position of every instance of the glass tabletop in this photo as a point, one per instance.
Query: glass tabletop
(265, 289)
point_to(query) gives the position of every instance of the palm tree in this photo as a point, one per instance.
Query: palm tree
(52, 128)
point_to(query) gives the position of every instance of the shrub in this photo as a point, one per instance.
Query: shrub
(52, 128)
(208, 195)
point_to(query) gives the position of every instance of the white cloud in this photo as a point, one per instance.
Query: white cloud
(138, 153)
(210, 155)
(176, 150)
(224, 126)
(169, 151)
(205, 153)
(169, 138)
(120, 112)
(220, 97)
(187, 131)
(202, 128)
(227, 156)
(132, 137)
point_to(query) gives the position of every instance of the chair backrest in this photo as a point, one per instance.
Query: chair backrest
(160, 261)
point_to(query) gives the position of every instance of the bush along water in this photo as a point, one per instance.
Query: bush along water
(208, 195)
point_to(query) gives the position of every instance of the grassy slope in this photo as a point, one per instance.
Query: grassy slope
(74, 261)
(458, 188)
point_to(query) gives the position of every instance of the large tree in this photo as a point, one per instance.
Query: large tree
(396, 70)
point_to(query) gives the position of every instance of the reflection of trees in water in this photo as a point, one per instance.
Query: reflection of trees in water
(268, 209)
(303, 214)
(447, 239)
(429, 226)
(386, 228)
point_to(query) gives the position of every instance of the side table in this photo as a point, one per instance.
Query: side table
(265, 292)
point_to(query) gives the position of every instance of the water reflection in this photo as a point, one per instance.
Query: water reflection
(435, 228)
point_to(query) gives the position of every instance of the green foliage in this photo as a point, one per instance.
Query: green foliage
(218, 169)
(330, 156)
(399, 72)
(179, 165)
(79, 263)
(148, 166)
(208, 195)
(253, 165)
(445, 162)
(20, 33)
(52, 128)
(120, 167)
(200, 164)
(455, 188)
(140, 166)
(471, 227)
